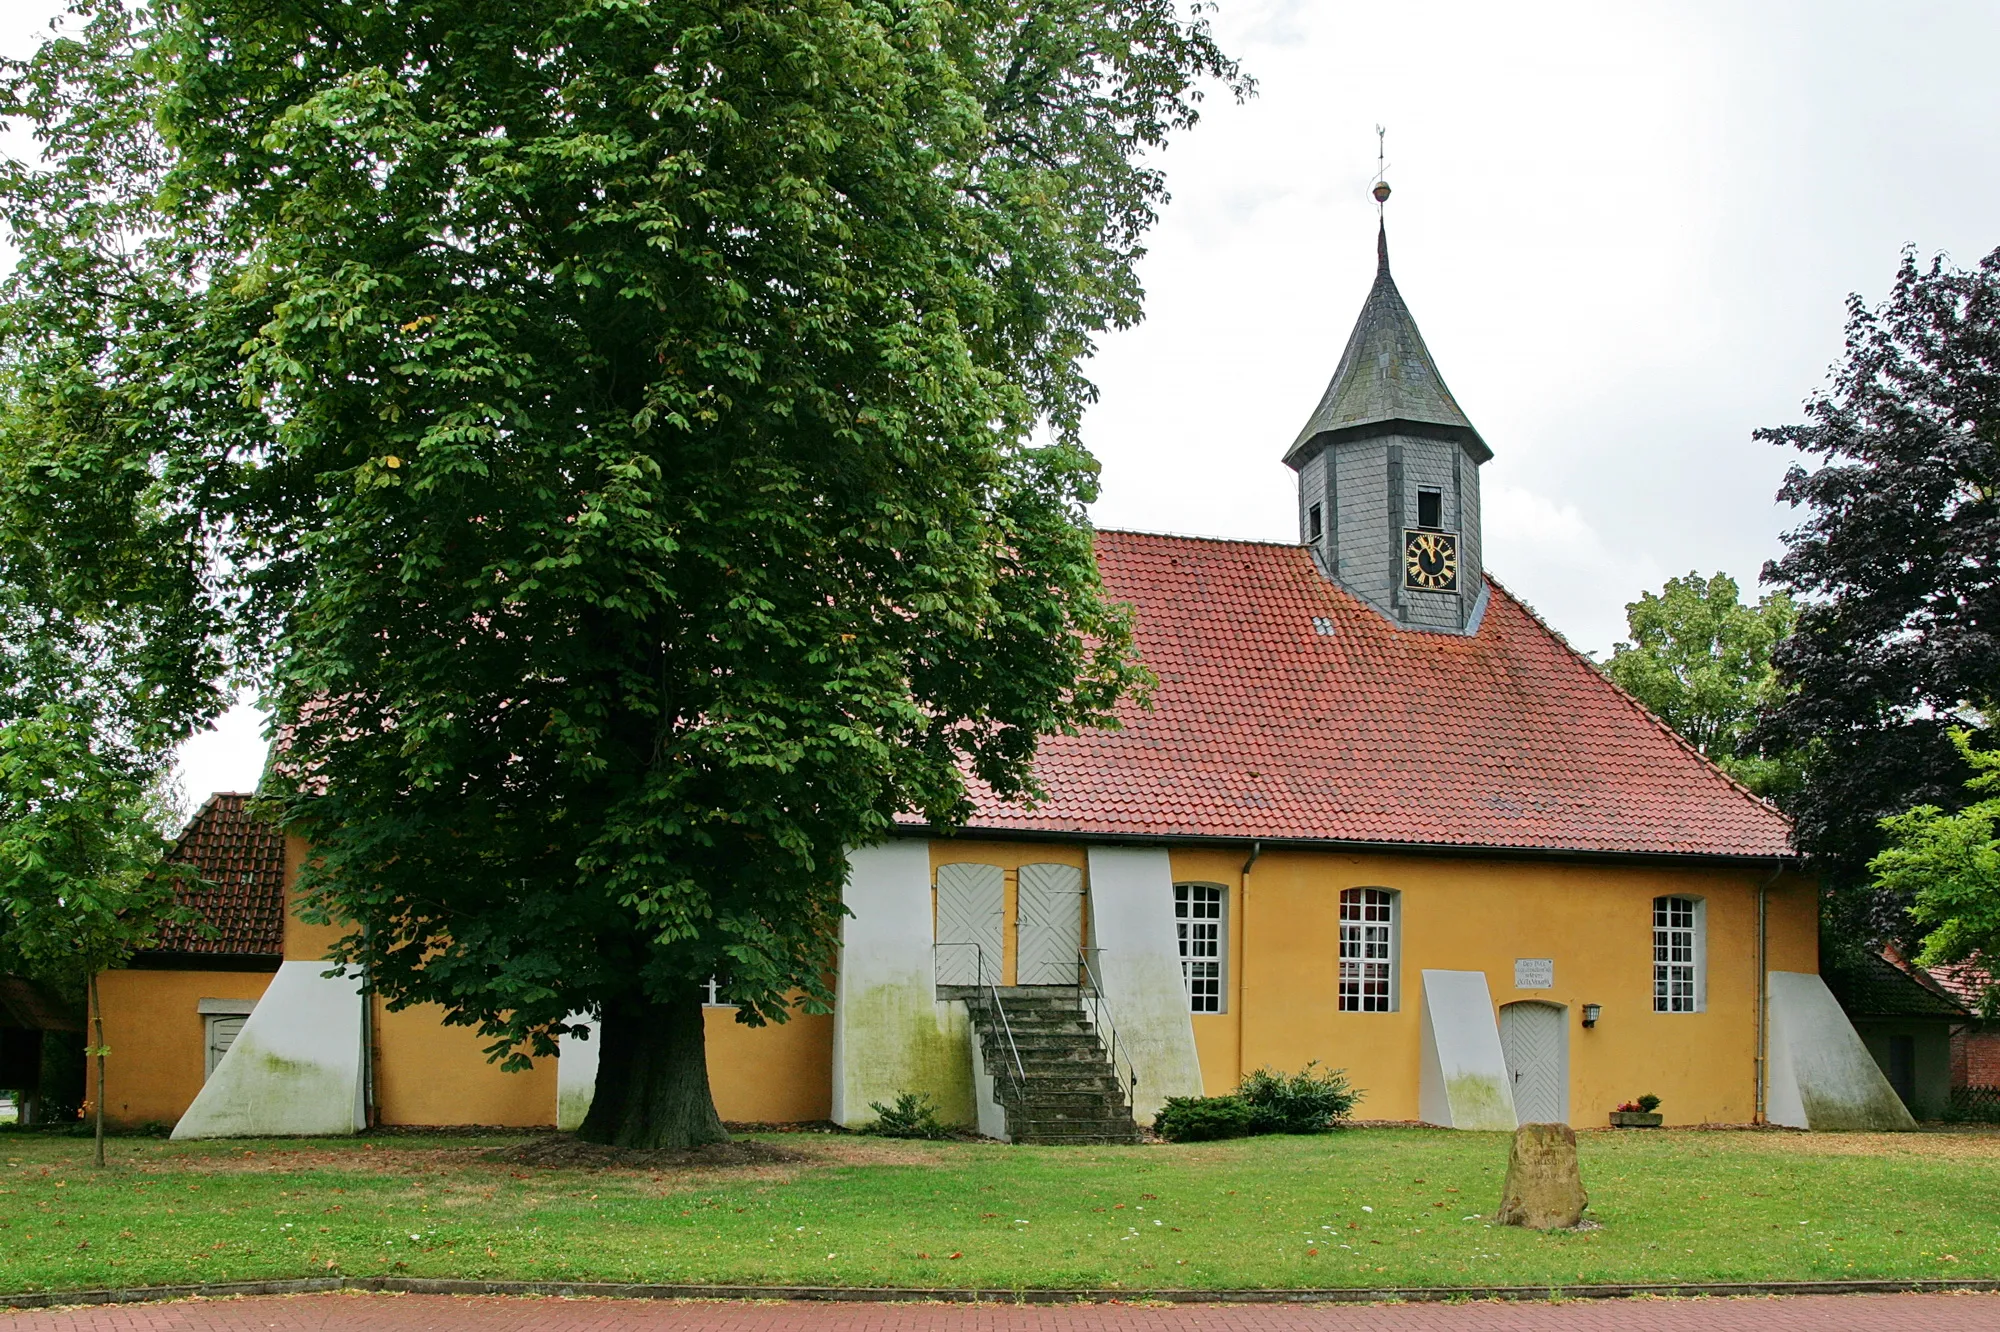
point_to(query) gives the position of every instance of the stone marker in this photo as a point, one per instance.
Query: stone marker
(1544, 1190)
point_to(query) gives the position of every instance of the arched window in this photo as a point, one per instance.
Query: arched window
(1678, 955)
(1368, 950)
(1198, 922)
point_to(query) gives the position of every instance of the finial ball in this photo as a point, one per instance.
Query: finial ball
(1381, 191)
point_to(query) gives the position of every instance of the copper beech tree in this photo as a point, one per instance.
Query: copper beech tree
(604, 430)
(1897, 643)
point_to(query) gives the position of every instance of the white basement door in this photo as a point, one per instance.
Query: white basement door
(1531, 1037)
(1048, 930)
(970, 924)
(222, 1033)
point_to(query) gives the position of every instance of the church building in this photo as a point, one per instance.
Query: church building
(1380, 818)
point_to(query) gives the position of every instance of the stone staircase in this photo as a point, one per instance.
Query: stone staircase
(1066, 1090)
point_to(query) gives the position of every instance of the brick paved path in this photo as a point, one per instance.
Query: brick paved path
(445, 1313)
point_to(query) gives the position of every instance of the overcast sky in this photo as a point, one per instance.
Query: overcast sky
(1627, 232)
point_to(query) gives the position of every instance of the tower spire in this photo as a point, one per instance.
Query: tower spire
(1381, 193)
(1388, 466)
(1386, 380)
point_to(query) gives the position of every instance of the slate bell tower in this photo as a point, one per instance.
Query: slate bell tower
(1389, 474)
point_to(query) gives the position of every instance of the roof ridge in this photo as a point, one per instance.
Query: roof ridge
(1588, 664)
(1196, 536)
(1917, 972)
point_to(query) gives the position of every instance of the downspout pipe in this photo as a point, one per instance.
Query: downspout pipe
(371, 1115)
(1763, 1057)
(1240, 929)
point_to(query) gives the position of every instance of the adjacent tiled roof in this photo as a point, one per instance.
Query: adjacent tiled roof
(1386, 375)
(24, 1004)
(1967, 982)
(1289, 709)
(242, 859)
(1877, 987)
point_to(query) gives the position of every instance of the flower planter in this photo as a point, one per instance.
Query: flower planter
(1634, 1119)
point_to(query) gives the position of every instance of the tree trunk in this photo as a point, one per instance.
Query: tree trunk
(652, 1077)
(97, 1017)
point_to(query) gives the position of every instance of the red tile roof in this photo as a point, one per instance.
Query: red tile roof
(1966, 982)
(1265, 726)
(242, 858)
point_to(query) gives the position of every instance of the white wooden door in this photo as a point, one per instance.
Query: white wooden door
(222, 1033)
(1048, 926)
(970, 924)
(1534, 1037)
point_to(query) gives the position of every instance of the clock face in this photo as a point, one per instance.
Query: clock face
(1430, 561)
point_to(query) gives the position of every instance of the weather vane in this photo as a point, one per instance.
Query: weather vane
(1381, 190)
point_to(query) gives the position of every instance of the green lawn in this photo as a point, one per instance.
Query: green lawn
(1363, 1207)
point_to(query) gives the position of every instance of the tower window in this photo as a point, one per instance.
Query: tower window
(1314, 525)
(1430, 509)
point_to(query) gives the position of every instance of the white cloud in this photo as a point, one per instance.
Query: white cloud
(229, 756)
(1563, 566)
(1626, 232)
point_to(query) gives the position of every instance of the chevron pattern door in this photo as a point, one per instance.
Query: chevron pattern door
(1531, 1038)
(970, 911)
(1048, 927)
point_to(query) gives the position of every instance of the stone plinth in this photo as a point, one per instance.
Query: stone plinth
(1544, 1189)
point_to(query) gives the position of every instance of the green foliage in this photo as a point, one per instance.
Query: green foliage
(80, 847)
(1204, 1118)
(1700, 660)
(1307, 1101)
(1893, 567)
(914, 1115)
(1947, 866)
(1648, 1103)
(1265, 1101)
(85, 743)
(604, 431)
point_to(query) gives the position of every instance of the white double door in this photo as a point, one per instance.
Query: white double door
(1534, 1037)
(971, 924)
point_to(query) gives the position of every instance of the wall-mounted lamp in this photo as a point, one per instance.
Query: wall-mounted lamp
(1590, 1012)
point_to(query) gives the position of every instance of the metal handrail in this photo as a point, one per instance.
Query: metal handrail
(1006, 1028)
(1090, 987)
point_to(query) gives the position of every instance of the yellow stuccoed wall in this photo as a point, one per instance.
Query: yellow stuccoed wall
(430, 1074)
(780, 1073)
(1594, 920)
(426, 1073)
(158, 1039)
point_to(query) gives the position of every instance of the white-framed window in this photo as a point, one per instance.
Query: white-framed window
(711, 994)
(1368, 950)
(1678, 955)
(1198, 922)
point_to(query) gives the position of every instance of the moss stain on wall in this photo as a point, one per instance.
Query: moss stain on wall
(1479, 1102)
(900, 1039)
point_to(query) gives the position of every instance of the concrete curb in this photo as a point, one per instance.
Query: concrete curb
(959, 1295)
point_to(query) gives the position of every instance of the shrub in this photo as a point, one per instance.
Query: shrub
(914, 1115)
(1649, 1103)
(1204, 1118)
(1308, 1101)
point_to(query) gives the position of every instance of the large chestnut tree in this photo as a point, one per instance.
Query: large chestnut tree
(608, 431)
